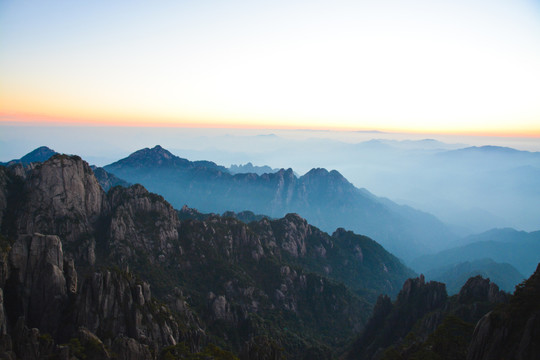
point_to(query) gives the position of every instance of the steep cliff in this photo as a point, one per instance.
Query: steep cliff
(511, 331)
(43, 301)
(62, 197)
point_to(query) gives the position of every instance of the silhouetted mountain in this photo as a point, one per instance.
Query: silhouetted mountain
(511, 331)
(454, 276)
(250, 168)
(121, 273)
(517, 248)
(324, 198)
(424, 322)
(490, 150)
(159, 158)
(40, 154)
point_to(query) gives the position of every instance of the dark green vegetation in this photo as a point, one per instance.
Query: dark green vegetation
(325, 198)
(122, 275)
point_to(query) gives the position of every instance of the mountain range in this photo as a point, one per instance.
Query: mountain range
(92, 274)
(521, 249)
(456, 275)
(429, 264)
(325, 198)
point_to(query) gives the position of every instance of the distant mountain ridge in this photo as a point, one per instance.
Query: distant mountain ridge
(108, 180)
(455, 275)
(323, 197)
(158, 157)
(250, 168)
(519, 248)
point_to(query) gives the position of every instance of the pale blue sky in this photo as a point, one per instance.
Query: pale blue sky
(405, 65)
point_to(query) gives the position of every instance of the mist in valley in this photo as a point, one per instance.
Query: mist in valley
(471, 183)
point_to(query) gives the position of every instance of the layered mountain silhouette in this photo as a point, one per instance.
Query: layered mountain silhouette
(92, 274)
(520, 249)
(455, 276)
(250, 168)
(325, 198)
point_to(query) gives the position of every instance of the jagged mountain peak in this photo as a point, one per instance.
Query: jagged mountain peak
(294, 217)
(322, 173)
(478, 288)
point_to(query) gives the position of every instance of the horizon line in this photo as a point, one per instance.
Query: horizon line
(47, 121)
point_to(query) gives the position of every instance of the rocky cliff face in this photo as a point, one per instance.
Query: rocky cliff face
(44, 305)
(150, 224)
(512, 331)
(37, 287)
(61, 197)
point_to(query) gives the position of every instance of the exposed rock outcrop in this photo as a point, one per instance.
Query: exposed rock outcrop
(512, 331)
(150, 224)
(62, 197)
(37, 286)
(114, 303)
(479, 289)
(424, 319)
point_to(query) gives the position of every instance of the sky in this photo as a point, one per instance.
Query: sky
(467, 67)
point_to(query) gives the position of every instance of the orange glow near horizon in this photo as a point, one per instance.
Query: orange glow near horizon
(30, 119)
